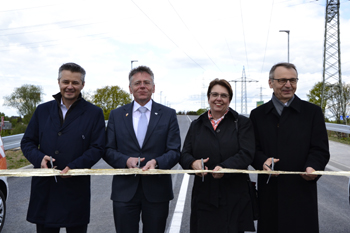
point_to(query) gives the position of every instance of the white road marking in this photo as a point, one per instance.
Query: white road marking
(175, 225)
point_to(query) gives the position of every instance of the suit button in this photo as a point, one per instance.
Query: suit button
(218, 130)
(57, 152)
(59, 133)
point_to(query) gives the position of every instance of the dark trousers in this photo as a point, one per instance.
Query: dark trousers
(127, 214)
(78, 229)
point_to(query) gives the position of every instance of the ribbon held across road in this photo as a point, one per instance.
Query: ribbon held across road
(96, 172)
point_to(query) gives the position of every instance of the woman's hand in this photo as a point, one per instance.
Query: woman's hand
(197, 165)
(217, 175)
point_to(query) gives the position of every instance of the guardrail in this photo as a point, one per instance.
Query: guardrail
(14, 141)
(338, 128)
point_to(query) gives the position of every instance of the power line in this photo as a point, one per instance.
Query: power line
(80, 25)
(267, 39)
(245, 45)
(48, 41)
(167, 35)
(38, 25)
(194, 36)
(28, 8)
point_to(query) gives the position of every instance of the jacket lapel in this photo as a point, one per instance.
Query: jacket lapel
(78, 110)
(127, 118)
(155, 116)
(54, 115)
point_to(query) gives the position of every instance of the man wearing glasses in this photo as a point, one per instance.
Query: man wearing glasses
(290, 135)
(142, 134)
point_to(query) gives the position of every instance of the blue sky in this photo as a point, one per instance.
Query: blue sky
(186, 44)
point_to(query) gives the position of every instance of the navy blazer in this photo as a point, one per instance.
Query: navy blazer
(162, 143)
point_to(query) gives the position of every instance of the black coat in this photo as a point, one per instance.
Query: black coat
(227, 199)
(77, 143)
(299, 139)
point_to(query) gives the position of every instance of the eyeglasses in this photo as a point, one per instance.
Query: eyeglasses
(283, 81)
(222, 95)
(145, 83)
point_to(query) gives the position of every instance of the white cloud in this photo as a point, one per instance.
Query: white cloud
(185, 43)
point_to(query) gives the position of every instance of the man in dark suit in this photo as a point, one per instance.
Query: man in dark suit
(290, 135)
(142, 132)
(67, 133)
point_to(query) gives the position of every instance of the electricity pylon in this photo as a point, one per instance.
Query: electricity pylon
(331, 52)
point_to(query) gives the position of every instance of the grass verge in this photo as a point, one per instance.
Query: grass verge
(15, 159)
(338, 137)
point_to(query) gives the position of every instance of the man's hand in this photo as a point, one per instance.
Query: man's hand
(65, 170)
(309, 177)
(46, 160)
(132, 162)
(197, 165)
(217, 175)
(150, 165)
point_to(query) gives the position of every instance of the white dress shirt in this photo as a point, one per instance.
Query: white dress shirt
(136, 113)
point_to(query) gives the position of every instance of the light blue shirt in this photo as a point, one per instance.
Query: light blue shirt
(136, 114)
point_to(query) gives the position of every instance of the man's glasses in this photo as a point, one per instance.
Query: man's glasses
(283, 81)
(222, 95)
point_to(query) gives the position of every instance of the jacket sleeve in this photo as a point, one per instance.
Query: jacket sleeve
(173, 143)
(113, 156)
(259, 157)
(30, 141)
(245, 155)
(96, 145)
(318, 156)
(187, 158)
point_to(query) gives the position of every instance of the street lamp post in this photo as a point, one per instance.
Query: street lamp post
(132, 61)
(287, 31)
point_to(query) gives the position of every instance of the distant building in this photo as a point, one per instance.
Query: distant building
(7, 125)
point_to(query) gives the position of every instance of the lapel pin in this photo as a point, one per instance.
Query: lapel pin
(127, 114)
(156, 113)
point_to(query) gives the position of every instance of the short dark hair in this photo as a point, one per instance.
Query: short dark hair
(221, 82)
(73, 68)
(141, 69)
(283, 64)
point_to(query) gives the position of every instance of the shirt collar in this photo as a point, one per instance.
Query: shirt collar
(211, 117)
(62, 104)
(137, 105)
(279, 105)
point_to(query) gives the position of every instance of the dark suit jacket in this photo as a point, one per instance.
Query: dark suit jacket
(162, 142)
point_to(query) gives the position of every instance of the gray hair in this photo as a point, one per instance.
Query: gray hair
(73, 68)
(283, 64)
(141, 69)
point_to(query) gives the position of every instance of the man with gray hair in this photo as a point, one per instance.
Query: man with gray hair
(290, 135)
(65, 133)
(142, 134)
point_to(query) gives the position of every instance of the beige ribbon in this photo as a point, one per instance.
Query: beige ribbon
(96, 172)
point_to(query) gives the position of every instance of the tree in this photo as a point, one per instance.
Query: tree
(315, 93)
(25, 98)
(334, 102)
(331, 105)
(109, 98)
(6, 118)
(201, 110)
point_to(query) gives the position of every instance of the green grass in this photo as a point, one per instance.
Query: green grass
(15, 159)
(340, 137)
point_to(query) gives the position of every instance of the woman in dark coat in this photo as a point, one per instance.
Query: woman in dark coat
(224, 139)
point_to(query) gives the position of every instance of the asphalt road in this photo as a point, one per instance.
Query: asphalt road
(334, 209)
